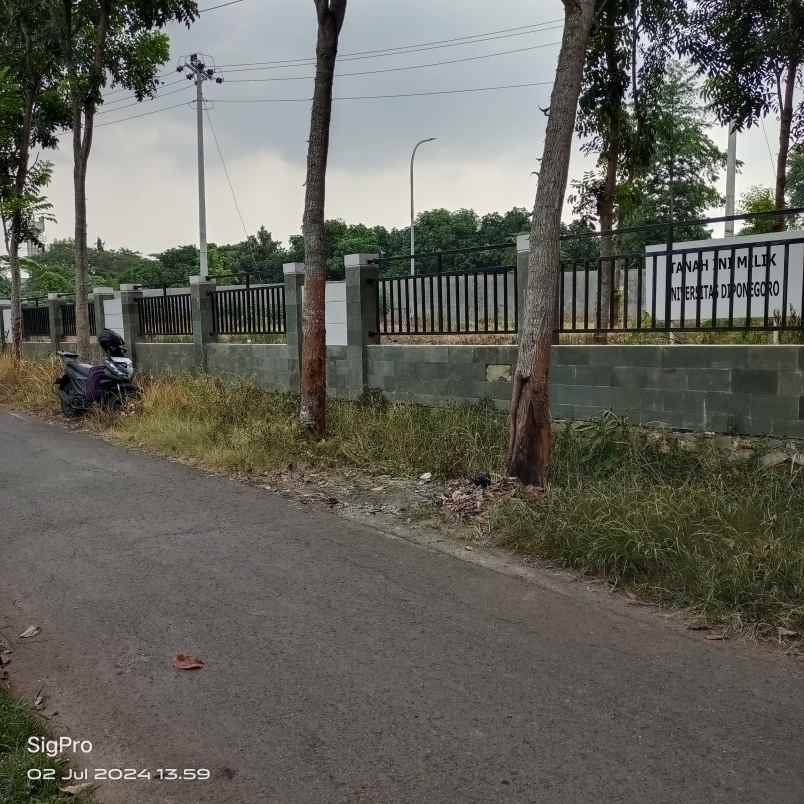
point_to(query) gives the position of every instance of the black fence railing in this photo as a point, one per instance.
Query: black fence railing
(249, 311)
(472, 302)
(36, 321)
(753, 282)
(68, 326)
(168, 314)
(454, 292)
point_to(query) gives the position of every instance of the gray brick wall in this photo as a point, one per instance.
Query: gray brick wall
(266, 364)
(756, 390)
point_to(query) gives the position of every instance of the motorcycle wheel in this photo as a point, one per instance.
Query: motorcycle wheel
(69, 408)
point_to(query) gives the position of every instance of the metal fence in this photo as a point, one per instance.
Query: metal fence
(68, 326)
(165, 315)
(753, 283)
(249, 310)
(481, 298)
(36, 321)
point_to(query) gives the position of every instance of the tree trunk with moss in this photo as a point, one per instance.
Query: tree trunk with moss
(313, 407)
(531, 437)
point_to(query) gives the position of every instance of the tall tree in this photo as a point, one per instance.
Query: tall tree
(531, 437)
(630, 45)
(313, 409)
(752, 53)
(107, 43)
(27, 44)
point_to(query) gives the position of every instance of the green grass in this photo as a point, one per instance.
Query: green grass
(683, 527)
(16, 726)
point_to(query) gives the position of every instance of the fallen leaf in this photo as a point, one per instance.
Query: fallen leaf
(39, 700)
(379, 488)
(30, 632)
(426, 477)
(716, 637)
(184, 661)
(76, 789)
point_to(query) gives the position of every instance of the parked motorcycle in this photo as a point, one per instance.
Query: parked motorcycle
(109, 385)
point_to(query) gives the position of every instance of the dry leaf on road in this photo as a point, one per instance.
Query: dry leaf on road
(30, 632)
(76, 789)
(184, 661)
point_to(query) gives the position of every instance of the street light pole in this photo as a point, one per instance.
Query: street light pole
(731, 173)
(202, 193)
(413, 209)
(201, 68)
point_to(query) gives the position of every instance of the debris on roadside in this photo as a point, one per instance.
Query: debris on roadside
(30, 632)
(184, 661)
(467, 499)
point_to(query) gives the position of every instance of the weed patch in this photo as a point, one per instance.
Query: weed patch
(17, 764)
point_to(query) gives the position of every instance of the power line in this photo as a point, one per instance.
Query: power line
(397, 69)
(767, 142)
(383, 97)
(226, 173)
(397, 51)
(118, 90)
(220, 5)
(340, 98)
(183, 88)
(137, 116)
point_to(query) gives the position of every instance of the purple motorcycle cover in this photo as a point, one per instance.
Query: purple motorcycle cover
(93, 386)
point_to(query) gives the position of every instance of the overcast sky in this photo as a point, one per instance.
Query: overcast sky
(142, 191)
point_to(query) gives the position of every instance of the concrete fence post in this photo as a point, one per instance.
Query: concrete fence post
(5, 323)
(362, 276)
(201, 290)
(294, 321)
(522, 257)
(54, 303)
(101, 295)
(131, 316)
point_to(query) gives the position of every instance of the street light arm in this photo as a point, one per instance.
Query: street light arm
(412, 207)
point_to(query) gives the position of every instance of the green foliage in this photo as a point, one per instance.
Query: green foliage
(743, 49)
(795, 177)
(684, 526)
(757, 199)
(53, 270)
(682, 180)
(17, 724)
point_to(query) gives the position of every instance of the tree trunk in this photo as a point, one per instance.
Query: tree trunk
(785, 122)
(16, 296)
(313, 409)
(81, 151)
(607, 194)
(531, 437)
(606, 215)
(13, 245)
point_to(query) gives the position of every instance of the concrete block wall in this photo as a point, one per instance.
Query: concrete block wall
(753, 390)
(265, 364)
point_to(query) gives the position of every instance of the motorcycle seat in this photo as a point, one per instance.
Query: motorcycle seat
(81, 368)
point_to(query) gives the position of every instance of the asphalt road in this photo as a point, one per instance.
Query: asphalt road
(344, 665)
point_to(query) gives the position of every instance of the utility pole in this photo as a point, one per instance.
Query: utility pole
(413, 209)
(731, 173)
(201, 68)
